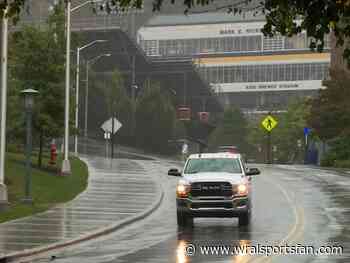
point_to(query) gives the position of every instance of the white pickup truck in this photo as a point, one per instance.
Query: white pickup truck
(214, 185)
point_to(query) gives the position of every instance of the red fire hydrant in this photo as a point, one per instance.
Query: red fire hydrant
(53, 153)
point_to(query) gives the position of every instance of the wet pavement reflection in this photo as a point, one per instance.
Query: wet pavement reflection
(117, 190)
(291, 205)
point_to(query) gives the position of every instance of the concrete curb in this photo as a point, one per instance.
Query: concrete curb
(88, 236)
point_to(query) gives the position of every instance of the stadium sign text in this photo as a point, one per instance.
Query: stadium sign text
(239, 31)
(267, 86)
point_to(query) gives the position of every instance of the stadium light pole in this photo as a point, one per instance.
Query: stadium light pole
(88, 64)
(4, 48)
(77, 91)
(66, 169)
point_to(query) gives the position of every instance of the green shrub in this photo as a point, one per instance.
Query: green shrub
(340, 148)
(339, 154)
(342, 163)
(15, 148)
(328, 160)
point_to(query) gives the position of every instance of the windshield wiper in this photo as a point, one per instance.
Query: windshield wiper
(192, 172)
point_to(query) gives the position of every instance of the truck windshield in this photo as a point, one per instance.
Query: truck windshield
(225, 165)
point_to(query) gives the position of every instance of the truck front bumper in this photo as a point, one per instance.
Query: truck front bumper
(230, 207)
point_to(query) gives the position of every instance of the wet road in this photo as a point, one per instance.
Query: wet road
(291, 205)
(118, 190)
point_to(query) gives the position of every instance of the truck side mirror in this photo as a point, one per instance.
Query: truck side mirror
(253, 171)
(174, 172)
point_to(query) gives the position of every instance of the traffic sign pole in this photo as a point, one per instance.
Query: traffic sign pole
(306, 139)
(305, 149)
(269, 147)
(110, 127)
(112, 138)
(269, 123)
(306, 135)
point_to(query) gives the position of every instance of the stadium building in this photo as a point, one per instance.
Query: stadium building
(244, 68)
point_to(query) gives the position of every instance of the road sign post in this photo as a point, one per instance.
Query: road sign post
(273, 154)
(184, 151)
(112, 139)
(306, 135)
(269, 123)
(111, 126)
(269, 147)
(107, 136)
(299, 144)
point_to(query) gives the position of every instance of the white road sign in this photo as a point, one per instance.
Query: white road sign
(108, 124)
(107, 135)
(185, 148)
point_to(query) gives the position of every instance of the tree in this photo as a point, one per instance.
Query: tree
(13, 8)
(119, 104)
(285, 135)
(330, 118)
(232, 130)
(330, 111)
(286, 17)
(317, 17)
(155, 118)
(15, 118)
(38, 58)
(290, 129)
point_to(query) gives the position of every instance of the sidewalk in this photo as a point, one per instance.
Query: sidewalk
(119, 192)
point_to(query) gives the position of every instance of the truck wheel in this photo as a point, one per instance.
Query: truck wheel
(244, 219)
(184, 220)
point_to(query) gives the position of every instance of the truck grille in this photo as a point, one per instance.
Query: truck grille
(211, 189)
(211, 205)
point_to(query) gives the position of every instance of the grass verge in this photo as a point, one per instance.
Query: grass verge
(48, 189)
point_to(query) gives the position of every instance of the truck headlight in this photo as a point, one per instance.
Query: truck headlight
(182, 190)
(242, 189)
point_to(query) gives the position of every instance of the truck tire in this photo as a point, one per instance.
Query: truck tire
(184, 220)
(244, 219)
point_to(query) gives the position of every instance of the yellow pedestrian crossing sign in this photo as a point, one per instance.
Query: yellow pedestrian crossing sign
(269, 123)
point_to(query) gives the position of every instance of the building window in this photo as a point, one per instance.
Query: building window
(268, 72)
(273, 43)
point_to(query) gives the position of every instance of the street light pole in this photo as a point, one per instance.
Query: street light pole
(28, 182)
(86, 100)
(3, 188)
(77, 104)
(28, 104)
(77, 92)
(88, 64)
(66, 169)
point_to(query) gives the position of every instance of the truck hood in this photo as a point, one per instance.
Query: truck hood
(214, 177)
